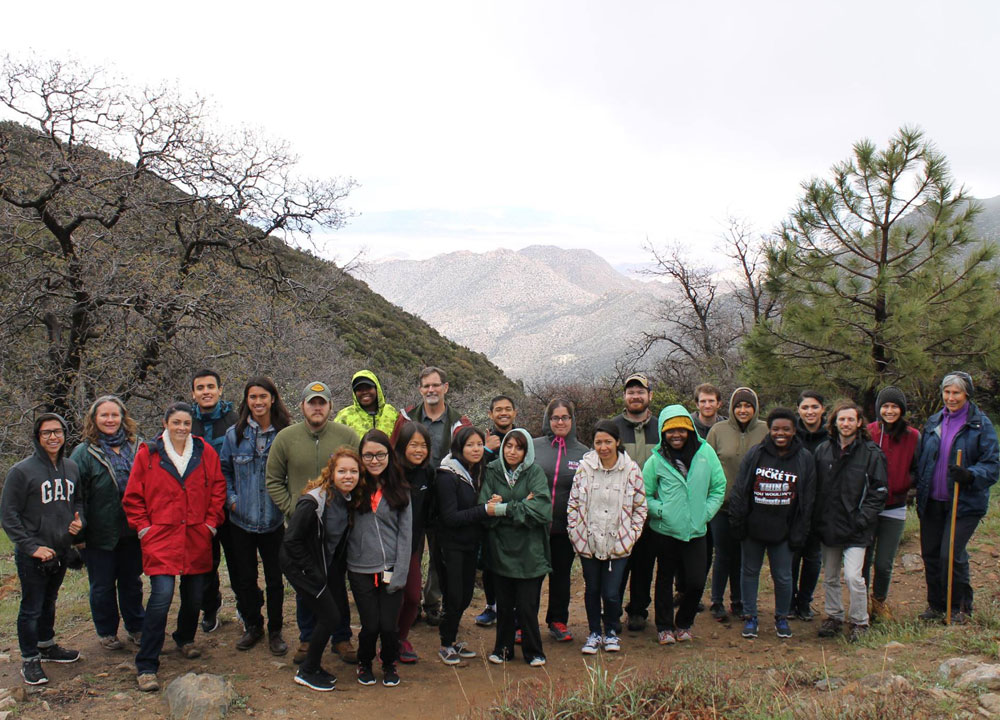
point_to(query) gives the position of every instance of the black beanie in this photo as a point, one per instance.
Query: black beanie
(890, 394)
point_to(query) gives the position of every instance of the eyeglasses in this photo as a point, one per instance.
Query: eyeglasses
(50, 433)
(379, 456)
(560, 418)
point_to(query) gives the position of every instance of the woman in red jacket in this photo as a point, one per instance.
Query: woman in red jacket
(174, 499)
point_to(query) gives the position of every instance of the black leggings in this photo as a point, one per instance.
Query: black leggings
(378, 610)
(457, 575)
(327, 616)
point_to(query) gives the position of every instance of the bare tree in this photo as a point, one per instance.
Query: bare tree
(749, 251)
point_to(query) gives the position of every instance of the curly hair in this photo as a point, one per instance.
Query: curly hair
(90, 432)
(325, 479)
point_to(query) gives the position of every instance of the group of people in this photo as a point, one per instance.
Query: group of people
(352, 502)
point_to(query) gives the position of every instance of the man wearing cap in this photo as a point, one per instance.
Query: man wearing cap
(369, 409)
(298, 454)
(639, 435)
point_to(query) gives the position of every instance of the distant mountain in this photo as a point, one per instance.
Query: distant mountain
(988, 222)
(540, 312)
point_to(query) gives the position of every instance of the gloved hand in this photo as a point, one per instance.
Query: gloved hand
(960, 475)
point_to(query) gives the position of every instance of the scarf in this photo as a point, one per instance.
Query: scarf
(180, 461)
(120, 462)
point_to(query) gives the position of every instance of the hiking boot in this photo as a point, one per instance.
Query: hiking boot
(611, 642)
(319, 680)
(961, 618)
(781, 627)
(560, 632)
(879, 610)
(487, 617)
(251, 637)
(190, 650)
(148, 682)
(407, 655)
(31, 671)
(666, 637)
(390, 678)
(449, 655)
(58, 654)
(831, 627)
(463, 650)
(276, 644)
(636, 622)
(365, 675)
(931, 615)
(750, 627)
(110, 642)
(857, 632)
(718, 612)
(592, 645)
(348, 653)
(300, 654)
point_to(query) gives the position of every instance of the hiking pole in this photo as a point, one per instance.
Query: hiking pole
(951, 541)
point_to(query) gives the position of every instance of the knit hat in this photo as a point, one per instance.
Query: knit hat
(678, 421)
(962, 379)
(746, 395)
(893, 395)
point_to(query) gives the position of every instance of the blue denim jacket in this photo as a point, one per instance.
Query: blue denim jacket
(250, 506)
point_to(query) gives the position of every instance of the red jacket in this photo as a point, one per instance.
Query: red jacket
(901, 457)
(177, 510)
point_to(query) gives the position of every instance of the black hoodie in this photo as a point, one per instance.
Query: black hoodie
(39, 498)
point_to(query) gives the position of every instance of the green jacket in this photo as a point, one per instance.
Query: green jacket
(679, 506)
(299, 455)
(517, 540)
(731, 443)
(102, 501)
(360, 420)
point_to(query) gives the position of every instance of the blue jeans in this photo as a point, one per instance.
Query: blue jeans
(36, 617)
(779, 556)
(154, 626)
(602, 582)
(726, 568)
(116, 585)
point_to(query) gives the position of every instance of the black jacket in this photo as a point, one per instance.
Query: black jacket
(303, 557)
(850, 492)
(421, 481)
(800, 515)
(460, 523)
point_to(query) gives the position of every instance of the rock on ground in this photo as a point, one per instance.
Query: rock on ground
(199, 697)
(953, 667)
(885, 682)
(912, 563)
(990, 701)
(987, 676)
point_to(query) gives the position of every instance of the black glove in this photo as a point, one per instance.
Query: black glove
(960, 475)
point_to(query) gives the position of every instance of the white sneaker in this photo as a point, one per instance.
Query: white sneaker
(611, 643)
(592, 645)
(537, 661)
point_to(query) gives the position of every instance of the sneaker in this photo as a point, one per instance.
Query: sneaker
(592, 645)
(931, 615)
(537, 661)
(319, 680)
(636, 623)
(611, 642)
(276, 644)
(365, 675)
(136, 639)
(389, 676)
(684, 635)
(347, 651)
(31, 671)
(560, 632)
(300, 654)
(58, 654)
(517, 637)
(750, 626)
(487, 617)
(497, 657)
(781, 627)
(251, 637)
(449, 656)
(830, 627)
(805, 613)
(407, 655)
(463, 650)
(189, 650)
(718, 612)
(857, 632)
(433, 616)
(210, 621)
(148, 682)
(110, 642)
(666, 637)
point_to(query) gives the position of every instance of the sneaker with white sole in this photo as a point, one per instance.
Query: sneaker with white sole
(319, 680)
(592, 644)
(449, 655)
(487, 617)
(32, 672)
(537, 661)
(666, 637)
(683, 635)
(463, 650)
(611, 642)
(58, 654)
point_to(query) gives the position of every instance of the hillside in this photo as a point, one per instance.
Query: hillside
(541, 312)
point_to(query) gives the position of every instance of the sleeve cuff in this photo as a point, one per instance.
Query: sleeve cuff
(500, 509)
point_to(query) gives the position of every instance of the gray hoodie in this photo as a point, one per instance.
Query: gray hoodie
(380, 541)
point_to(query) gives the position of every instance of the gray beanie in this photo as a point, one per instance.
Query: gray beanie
(890, 394)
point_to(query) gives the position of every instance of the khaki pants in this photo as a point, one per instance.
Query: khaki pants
(852, 560)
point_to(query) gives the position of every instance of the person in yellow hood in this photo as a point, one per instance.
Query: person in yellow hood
(369, 409)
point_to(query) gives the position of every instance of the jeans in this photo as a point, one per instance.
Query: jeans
(727, 566)
(36, 617)
(378, 610)
(602, 582)
(116, 587)
(249, 598)
(779, 555)
(639, 573)
(882, 552)
(559, 579)
(161, 593)
(324, 609)
(677, 556)
(517, 604)
(935, 530)
(810, 559)
(457, 575)
(410, 608)
(852, 558)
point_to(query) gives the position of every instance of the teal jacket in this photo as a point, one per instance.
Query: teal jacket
(517, 541)
(679, 506)
(102, 501)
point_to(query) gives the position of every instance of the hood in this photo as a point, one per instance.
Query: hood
(547, 428)
(756, 403)
(671, 411)
(453, 465)
(368, 375)
(529, 455)
(319, 495)
(39, 450)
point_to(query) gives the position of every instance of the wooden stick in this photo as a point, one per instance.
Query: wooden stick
(951, 542)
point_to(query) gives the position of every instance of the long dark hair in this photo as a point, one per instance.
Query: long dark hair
(458, 442)
(280, 417)
(395, 489)
(406, 434)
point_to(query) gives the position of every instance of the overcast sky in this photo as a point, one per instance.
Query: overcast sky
(581, 124)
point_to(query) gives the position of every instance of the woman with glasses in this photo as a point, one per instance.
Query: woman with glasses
(558, 453)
